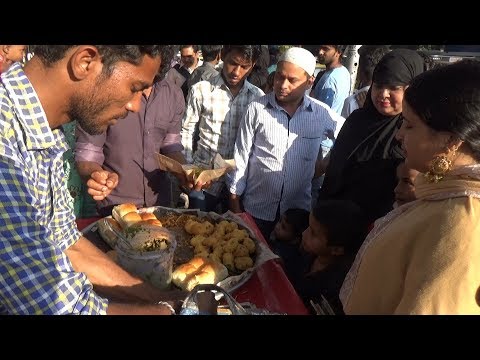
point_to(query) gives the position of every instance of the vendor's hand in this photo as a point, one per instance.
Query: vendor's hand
(235, 204)
(200, 185)
(101, 184)
(330, 134)
(175, 298)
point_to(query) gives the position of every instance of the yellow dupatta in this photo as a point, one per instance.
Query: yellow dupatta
(422, 257)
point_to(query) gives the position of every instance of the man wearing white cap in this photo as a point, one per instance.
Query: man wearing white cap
(278, 142)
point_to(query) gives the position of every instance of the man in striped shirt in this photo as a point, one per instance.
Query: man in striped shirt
(278, 142)
(214, 110)
(46, 265)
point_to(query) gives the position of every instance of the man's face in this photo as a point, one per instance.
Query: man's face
(189, 57)
(327, 54)
(290, 82)
(107, 99)
(236, 68)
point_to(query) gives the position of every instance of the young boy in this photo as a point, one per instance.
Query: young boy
(336, 231)
(405, 189)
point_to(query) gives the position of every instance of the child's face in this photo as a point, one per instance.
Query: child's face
(283, 231)
(405, 189)
(314, 239)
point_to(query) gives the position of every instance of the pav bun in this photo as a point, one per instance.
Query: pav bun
(199, 270)
(122, 210)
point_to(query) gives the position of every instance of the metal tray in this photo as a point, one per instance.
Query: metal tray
(231, 283)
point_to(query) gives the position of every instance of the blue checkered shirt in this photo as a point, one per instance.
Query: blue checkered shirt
(36, 222)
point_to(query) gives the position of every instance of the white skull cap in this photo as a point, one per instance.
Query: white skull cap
(300, 57)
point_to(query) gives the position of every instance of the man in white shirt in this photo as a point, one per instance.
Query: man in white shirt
(278, 142)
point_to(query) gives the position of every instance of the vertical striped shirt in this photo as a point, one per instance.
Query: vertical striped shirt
(36, 222)
(216, 113)
(275, 156)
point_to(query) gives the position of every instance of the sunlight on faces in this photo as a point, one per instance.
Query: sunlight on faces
(236, 68)
(405, 189)
(420, 142)
(107, 99)
(290, 82)
(314, 239)
(388, 99)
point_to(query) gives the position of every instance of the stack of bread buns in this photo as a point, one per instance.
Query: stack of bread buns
(143, 231)
(127, 216)
(199, 270)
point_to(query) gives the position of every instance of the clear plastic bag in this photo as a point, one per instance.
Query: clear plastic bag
(232, 307)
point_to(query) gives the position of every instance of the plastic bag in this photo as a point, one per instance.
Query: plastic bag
(232, 307)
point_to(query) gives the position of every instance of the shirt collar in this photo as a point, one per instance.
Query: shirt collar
(28, 109)
(218, 83)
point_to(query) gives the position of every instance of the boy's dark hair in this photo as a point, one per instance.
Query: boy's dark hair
(345, 223)
(298, 218)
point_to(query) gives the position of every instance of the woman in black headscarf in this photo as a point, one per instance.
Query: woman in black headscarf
(365, 155)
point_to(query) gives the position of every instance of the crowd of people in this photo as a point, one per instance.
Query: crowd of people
(371, 199)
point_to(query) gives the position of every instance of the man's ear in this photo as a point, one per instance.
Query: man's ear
(310, 81)
(84, 61)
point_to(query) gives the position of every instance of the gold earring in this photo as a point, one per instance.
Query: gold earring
(440, 165)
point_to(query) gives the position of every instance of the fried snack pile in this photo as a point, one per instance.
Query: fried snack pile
(223, 242)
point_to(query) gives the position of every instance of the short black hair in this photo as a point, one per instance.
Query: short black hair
(448, 99)
(370, 55)
(210, 52)
(345, 222)
(251, 52)
(111, 54)
(195, 48)
(298, 218)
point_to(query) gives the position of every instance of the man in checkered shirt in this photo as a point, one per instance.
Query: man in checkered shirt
(46, 265)
(214, 110)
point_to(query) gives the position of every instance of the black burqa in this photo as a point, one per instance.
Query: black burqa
(365, 156)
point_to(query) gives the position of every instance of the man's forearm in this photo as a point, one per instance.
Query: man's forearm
(321, 165)
(109, 279)
(86, 168)
(235, 203)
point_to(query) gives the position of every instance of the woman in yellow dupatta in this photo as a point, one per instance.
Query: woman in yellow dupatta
(424, 257)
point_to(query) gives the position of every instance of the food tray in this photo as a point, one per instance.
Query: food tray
(184, 251)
